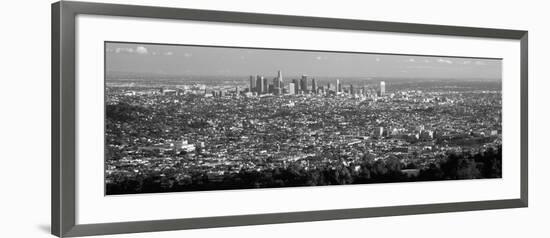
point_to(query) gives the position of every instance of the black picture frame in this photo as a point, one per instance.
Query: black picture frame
(63, 136)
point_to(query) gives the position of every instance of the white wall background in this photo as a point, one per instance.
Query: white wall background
(25, 117)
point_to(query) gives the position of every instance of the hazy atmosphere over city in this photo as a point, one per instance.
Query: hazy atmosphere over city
(195, 118)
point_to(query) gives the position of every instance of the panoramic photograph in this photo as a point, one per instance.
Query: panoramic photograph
(181, 118)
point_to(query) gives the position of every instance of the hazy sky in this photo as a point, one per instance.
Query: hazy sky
(215, 61)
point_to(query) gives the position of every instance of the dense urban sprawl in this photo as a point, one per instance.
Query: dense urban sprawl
(268, 133)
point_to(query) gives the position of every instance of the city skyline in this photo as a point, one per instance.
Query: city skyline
(181, 60)
(258, 85)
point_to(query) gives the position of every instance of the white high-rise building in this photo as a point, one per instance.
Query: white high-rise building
(382, 88)
(292, 88)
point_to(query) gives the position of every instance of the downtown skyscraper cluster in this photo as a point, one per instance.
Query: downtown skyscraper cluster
(260, 85)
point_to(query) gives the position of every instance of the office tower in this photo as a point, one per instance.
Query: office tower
(296, 85)
(276, 85)
(252, 86)
(275, 82)
(303, 83)
(280, 79)
(351, 91)
(237, 93)
(313, 86)
(382, 88)
(292, 88)
(338, 86)
(265, 85)
(259, 83)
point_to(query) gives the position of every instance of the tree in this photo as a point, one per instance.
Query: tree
(433, 172)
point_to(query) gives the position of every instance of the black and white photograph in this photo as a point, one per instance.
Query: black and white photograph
(195, 118)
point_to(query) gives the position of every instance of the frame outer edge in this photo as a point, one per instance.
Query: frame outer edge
(55, 120)
(67, 121)
(307, 216)
(63, 118)
(524, 60)
(287, 20)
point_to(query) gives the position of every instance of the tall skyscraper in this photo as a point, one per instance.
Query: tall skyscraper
(265, 85)
(313, 86)
(292, 88)
(252, 86)
(259, 83)
(296, 85)
(382, 88)
(280, 79)
(276, 83)
(275, 86)
(338, 86)
(303, 83)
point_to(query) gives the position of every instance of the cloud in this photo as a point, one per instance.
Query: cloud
(124, 50)
(169, 53)
(141, 50)
(319, 58)
(445, 61)
(187, 55)
(138, 50)
(377, 59)
(411, 60)
(480, 63)
(467, 62)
